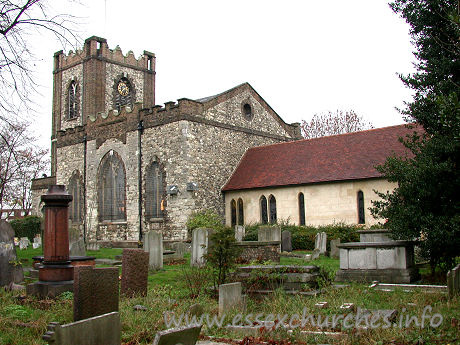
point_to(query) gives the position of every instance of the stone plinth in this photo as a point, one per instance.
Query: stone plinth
(387, 262)
(135, 270)
(95, 291)
(374, 235)
(259, 251)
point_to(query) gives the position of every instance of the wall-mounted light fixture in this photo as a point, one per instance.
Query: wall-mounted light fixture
(192, 186)
(172, 189)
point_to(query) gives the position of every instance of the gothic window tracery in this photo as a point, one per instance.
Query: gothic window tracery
(272, 204)
(112, 188)
(154, 191)
(72, 100)
(263, 210)
(233, 212)
(240, 212)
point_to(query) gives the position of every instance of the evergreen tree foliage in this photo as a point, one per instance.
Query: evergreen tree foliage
(425, 205)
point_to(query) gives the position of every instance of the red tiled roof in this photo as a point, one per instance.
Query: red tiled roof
(341, 157)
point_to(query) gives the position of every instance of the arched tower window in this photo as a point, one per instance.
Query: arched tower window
(154, 191)
(240, 212)
(233, 212)
(72, 104)
(75, 189)
(272, 202)
(112, 188)
(123, 93)
(301, 209)
(361, 217)
(263, 210)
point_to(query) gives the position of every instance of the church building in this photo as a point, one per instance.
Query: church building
(133, 166)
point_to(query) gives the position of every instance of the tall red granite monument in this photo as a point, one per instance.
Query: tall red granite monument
(55, 272)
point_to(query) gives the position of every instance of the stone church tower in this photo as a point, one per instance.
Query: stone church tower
(133, 166)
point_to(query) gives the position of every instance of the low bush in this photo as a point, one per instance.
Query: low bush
(303, 237)
(204, 219)
(28, 226)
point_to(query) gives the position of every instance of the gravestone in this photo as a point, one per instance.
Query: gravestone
(24, 243)
(269, 234)
(153, 245)
(335, 251)
(286, 241)
(453, 282)
(229, 296)
(135, 270)
(37, 242)
(95, 291)
(200, 243)
(99, 330)
(239, 232)
(320, 242)
(181, 335)
(10, 272)
(77, 248)
(180, 249)
(93, 246)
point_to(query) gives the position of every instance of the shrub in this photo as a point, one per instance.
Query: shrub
(204, 219)
(28, 226)
(195, 279)
(222, 254)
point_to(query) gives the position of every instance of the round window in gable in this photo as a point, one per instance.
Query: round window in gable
(247, 111)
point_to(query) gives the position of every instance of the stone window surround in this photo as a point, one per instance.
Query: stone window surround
(77, 100)
(247, 117)
(162, 170)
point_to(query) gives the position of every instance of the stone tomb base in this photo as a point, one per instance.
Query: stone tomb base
(386, 262)
(43, 289)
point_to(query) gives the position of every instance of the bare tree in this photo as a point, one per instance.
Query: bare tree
(18, 20)
(20, 162)
(332, 123)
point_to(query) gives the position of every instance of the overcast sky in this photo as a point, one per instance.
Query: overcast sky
(303, 57)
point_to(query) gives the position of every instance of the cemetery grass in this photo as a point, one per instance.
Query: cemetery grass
(24, 320)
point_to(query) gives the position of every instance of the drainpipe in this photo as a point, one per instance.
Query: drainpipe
(85, 145)
(140, 131)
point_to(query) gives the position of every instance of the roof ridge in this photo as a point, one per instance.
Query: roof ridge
(209, 98)
(329, 136)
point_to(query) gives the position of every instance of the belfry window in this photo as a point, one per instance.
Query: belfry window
(111, 188)
(263, 210)
(75, 189)
(72, 100)
(154, 191)
(272, 202)
(361, 217)
(123, 93)
(240, 212)
(233, 212)
(301, 209)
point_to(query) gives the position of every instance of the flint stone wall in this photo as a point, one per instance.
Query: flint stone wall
(258, 251)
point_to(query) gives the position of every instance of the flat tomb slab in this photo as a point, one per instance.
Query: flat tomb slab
(381, 275)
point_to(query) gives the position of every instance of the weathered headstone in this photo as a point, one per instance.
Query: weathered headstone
(77, 248)
(182, 335)
(93, 246)
(286, 241)
(135, 270)
(196, 310)
(153, 245)
(268, 234)
(180, 248)
(229, 296)
(239, 232)
(99, 330)
(320, 242)
(95, 291)
(200, 243)
(335, 251)
(315, 254)
(10, 271)
(24, 243)
(453, 282)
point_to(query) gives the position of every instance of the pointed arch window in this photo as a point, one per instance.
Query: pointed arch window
(112, 188)
(233, 212)
(263, 210)
(75, 189)
(301, 209)
(154, 191)
(240, 212)
(72, 111)
(361, 216)
(272, 203)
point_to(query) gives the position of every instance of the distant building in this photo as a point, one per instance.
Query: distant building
(314, 182)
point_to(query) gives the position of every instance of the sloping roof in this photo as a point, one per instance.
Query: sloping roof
(342, 157)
